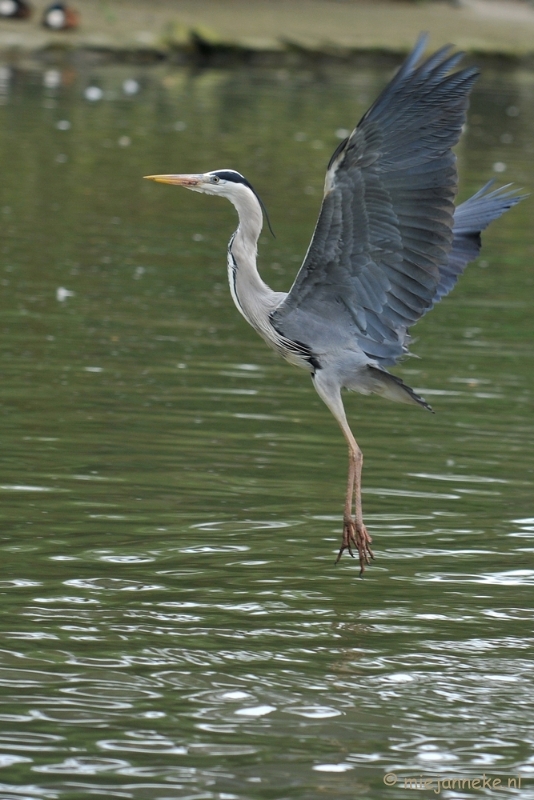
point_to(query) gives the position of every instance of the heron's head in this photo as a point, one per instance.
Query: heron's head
(222, 182)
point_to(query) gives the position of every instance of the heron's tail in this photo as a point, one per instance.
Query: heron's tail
(393, 388)
(470, 219)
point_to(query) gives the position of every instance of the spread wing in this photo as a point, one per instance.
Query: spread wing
(385, 228)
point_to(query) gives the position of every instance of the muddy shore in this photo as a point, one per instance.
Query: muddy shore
(181, 30)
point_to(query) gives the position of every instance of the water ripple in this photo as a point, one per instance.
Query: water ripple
(255, 711)
(314, 712)
(39, 742)
(144, 742)
(408, 493)
(111, 584)
(28, 678)
(516, 577)
(18, 583)
(17, 487)
(457, 478)
(242, 526)
(83, 766)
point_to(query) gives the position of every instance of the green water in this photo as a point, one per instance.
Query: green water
(173, 624)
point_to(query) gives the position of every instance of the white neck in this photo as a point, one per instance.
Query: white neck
(253, 298)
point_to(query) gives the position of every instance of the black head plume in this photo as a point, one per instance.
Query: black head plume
(236, 177)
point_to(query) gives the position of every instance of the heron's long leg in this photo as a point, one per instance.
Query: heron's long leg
(358, 486)
(354, 531)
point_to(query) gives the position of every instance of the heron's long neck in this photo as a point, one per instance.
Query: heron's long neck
(253, 298)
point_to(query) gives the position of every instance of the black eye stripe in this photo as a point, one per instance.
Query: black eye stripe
(233, 177)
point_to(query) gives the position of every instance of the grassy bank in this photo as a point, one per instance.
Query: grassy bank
(279, 30)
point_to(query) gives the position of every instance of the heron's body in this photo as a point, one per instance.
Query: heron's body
(258, 305)
(388, 245)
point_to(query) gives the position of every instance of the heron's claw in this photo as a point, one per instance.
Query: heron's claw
(356, 534)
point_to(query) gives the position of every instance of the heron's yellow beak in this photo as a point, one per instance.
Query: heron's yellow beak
(189, 181)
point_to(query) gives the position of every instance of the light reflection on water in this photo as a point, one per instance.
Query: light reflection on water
(173, 623)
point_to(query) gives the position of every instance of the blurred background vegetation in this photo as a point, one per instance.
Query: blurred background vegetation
(185, 29)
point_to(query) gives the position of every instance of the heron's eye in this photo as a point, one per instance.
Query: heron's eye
(215, 179)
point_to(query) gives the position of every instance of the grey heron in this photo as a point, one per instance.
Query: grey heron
(388, 244)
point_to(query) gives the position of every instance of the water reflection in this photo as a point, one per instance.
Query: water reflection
(174, 625)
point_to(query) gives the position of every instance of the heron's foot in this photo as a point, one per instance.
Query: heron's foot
(355, 534)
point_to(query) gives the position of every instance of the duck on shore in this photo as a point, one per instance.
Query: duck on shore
(60, 17)
(15, 9)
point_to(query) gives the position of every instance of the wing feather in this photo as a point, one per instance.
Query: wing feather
(385, 229)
